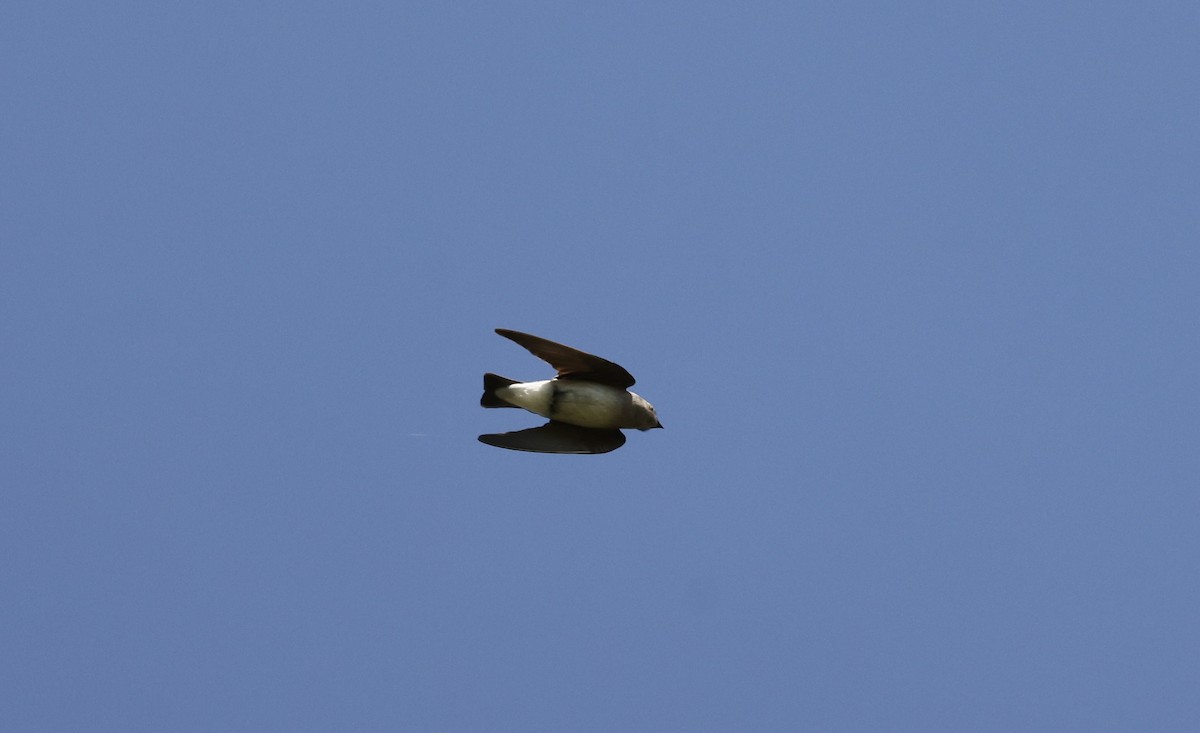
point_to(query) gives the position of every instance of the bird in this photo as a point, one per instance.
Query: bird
(588, 402)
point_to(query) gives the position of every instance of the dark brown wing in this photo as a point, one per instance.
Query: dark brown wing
(557, 437)
(572, 363)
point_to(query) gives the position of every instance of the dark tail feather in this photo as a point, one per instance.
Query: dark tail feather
(491, 383)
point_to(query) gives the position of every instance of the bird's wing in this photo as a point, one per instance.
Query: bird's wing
(572, 363)
(558, 437)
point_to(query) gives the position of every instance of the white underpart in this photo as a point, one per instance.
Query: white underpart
(533, 396)
(586, 404)
(591, 405)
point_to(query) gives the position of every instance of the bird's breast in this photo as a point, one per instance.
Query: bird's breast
(588, 404)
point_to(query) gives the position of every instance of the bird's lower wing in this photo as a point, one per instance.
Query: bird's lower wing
(558, 437)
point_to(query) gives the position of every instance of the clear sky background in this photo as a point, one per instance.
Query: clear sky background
(915, 288)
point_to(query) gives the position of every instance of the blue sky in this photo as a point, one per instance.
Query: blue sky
(913, 288)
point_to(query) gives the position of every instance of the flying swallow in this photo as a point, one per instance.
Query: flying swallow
(588, 402)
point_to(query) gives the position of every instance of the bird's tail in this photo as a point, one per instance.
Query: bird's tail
(491, 383)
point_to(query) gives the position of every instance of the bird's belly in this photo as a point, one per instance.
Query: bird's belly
(533, 396)
(587, 404)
